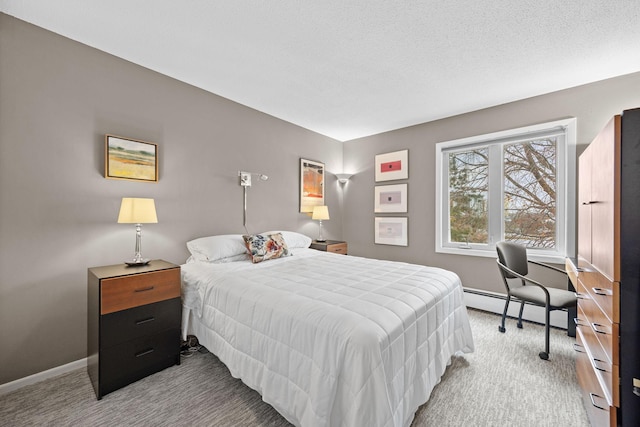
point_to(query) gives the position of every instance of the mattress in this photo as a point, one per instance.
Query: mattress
(327, 339)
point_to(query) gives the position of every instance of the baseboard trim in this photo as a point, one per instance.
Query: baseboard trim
(493, 302)
(41, 376)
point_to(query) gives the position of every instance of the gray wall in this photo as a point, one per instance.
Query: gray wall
(593, 105)
(58, 213)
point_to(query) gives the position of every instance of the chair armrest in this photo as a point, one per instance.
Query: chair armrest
(526, 279)
(548, 266)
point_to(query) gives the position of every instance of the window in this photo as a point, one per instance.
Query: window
(510, 185)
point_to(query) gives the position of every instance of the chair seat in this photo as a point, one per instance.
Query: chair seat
(559, 298)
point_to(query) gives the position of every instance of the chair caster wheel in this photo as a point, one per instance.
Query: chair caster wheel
(519, 325)
(544, 355)
(501, 329)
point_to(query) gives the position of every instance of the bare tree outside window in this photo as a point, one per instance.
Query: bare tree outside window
(529, 189)
(530, 193)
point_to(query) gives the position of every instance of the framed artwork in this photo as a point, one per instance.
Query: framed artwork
(391, 231)
(311, 185)
(392, 166)
(130, 159)
(390, 198)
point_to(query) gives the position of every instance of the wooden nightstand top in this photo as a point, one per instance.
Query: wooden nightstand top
(335, 246)
(125, 270)
(327, 242)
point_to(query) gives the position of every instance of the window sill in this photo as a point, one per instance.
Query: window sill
(531, 255)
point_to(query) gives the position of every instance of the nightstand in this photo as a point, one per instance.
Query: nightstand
(335, 246)
(134, 316)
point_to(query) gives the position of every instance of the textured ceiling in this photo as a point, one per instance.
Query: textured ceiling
(352, 68)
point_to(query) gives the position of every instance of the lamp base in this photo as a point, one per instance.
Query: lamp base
(321, 240)
(137, 263)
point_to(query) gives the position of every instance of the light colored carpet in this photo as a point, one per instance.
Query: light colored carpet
(503, 383)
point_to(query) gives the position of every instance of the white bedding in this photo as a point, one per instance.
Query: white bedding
(330, 340)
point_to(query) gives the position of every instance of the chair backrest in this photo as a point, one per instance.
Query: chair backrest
(514, 257)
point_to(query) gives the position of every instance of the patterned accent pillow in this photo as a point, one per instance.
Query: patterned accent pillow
(266, 246)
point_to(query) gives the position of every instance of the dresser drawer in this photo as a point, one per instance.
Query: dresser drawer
(121, 293)
(337, 248)
(603, 292)
(588, 336)
(138, 322)
(599, 411)
(135, 359)
(590, 315)
(602, 368)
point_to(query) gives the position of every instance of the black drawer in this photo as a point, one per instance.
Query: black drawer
(138, 322)
(130, 361)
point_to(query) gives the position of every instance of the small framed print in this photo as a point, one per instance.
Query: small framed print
(390, 198)
(391, 231)
(130, 159)
(392, 166)
(311, 185)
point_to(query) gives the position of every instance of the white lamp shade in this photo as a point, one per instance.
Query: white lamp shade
(320, 212)
(137, 211)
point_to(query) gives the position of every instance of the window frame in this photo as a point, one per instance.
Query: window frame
(566, 184)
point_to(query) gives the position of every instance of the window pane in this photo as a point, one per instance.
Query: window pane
(530, 193)
(468, 191)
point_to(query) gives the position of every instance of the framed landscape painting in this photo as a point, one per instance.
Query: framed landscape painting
(390, 198)
(391, 231)
(311, 185)
(391, 166)
(130, 159)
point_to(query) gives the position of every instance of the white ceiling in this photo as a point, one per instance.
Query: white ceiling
(352, 68)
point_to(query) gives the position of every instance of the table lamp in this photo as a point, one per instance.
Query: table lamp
(138, 212)
(320, 213)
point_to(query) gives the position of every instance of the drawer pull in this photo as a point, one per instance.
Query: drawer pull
(577, 347)
(149, 288)
(595, 365)
(593, 402)
(144, 353)
(597, 328)
(600, 291)
(580, 296)
(143, 321)
(578, 322)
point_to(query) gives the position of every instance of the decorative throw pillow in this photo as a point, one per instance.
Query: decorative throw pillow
(265, 246)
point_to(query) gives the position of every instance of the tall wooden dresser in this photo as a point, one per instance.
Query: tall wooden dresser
(606, 274)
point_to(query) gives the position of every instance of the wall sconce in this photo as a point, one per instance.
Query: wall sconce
(320, 213)
(245, 181)
(245, 178)
(138, 212)
(343, 178)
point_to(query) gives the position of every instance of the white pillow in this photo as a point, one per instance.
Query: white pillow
(293, 239)
(222, 248)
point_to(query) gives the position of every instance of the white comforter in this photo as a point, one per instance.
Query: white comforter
(330, 340)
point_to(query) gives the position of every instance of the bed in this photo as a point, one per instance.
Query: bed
(326, 339)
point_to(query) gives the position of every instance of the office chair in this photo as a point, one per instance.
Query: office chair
(513, 264)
